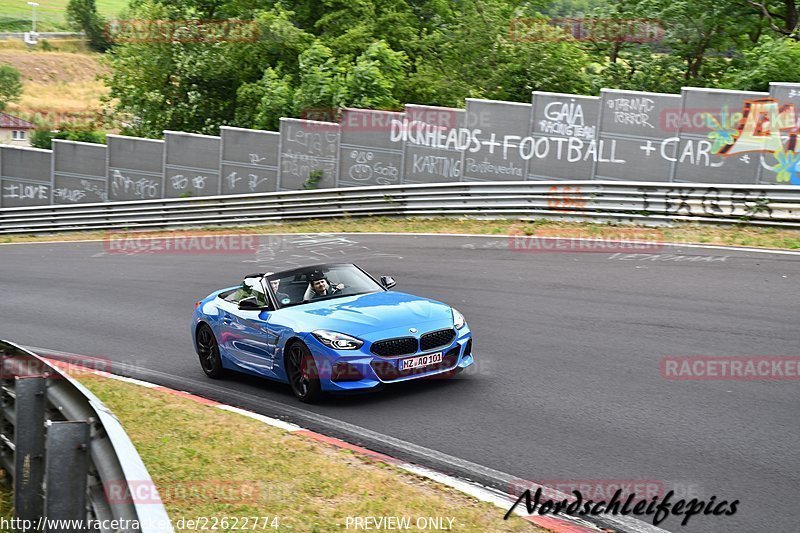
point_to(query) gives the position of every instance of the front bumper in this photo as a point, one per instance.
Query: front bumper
(374, 371)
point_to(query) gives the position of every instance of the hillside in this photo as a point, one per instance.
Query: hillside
(15, 15)
(58, 87)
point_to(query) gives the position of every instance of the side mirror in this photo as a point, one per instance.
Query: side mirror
(388, 281)
(250, 304)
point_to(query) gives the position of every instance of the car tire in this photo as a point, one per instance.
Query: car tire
(208, 351)
(301, 370)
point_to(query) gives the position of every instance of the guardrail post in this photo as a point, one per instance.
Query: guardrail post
(66, 472)
(29, 399)
(7, 429)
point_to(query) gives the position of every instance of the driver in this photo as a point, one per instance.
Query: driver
(321, 287)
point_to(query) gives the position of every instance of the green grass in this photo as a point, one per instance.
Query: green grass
(682, 233)
(193, 450)
(15, 15)
(6, 501)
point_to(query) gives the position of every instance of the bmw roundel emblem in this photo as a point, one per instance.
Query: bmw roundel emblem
(412, 330)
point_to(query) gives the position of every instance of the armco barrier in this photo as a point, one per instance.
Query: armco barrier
(644, 203)
(44, 35)
(66, 453)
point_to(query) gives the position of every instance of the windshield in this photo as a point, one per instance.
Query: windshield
(320, 282)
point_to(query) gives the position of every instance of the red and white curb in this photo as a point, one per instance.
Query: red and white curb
(477, 491)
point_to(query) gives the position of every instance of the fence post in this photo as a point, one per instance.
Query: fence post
(29, 397)
(66, 472)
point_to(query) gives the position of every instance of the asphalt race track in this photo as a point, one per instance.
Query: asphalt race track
(567, 386)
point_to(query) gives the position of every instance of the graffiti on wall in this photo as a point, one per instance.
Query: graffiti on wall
(697, 137)
(763, 127)
(710, 201)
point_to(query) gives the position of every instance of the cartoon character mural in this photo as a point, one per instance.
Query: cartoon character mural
(361, 171)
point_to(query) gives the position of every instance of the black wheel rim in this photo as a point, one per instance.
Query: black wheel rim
(207, 348)
(298, 374)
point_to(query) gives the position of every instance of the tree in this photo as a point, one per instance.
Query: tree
(609, 39)
(520, 68)
(325, 85)
(83, 16)
(697, 29)
(10, 85)
(774, 59)
(476, 55)
(171, 82)
(372, 82)
(322, 83)
(199, 84)
(641, 70)
(262, 104)
(279, 45)
(782, 16)
(326, 54)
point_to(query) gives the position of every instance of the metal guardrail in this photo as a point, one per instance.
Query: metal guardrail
(44, 35)
(643, 203)
(67, 455)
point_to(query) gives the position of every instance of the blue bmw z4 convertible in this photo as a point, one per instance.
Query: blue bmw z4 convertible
(328, 328)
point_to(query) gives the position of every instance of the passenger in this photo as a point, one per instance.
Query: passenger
(282, 297)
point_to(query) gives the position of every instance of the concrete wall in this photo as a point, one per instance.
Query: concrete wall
(700, 136)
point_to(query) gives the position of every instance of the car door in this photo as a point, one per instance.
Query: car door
(256, 342)
(248, 332)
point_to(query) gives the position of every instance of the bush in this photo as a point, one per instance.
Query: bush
(43, 138)
(314, 177)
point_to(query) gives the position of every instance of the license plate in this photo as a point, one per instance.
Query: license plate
(421, 361)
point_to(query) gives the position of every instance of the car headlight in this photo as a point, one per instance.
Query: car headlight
(337, 341)
(458, 319)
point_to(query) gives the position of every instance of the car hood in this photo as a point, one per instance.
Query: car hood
(370, 316)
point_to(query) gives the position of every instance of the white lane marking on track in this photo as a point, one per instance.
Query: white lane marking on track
(468, 487)
(288, 426)
(130, 380)
(482, 493)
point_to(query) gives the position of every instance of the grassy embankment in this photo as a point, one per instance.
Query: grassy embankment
(210, 464)
(15, 15)
(58, 87)
(195, 451)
